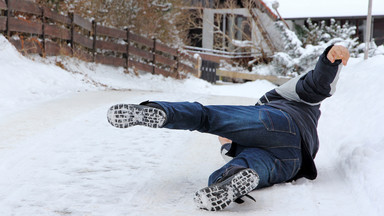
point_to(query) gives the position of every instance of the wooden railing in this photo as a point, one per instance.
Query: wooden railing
(249, 76)
(35, 29)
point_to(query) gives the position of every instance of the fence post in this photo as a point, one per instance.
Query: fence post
(8, 11)
(177, 63)
(71, 15)
(208, 69)
(94, 28)
(127, 50)
(198, 66)
(154, 56)
(43, 20)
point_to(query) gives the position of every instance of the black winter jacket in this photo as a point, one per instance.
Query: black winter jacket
(301, 98)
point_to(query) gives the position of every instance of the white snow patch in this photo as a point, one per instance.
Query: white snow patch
(59, 155)
(327, 8)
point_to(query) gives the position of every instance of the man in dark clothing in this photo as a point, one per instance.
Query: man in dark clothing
(272, 142)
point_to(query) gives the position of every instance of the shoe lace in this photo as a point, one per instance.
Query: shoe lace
(240, 200)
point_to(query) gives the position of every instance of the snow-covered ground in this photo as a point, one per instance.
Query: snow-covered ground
(59, 156)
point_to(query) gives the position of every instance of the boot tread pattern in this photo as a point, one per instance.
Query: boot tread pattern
(218, 196)
(128, 115)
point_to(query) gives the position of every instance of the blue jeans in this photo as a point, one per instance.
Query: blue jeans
(268, 140)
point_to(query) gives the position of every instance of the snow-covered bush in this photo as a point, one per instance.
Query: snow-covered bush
(301, 53)
(374, 50)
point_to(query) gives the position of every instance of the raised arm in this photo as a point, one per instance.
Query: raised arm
(316, 85)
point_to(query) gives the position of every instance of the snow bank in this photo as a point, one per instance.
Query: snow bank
(115, 78)
(24, 81)
(351, 128)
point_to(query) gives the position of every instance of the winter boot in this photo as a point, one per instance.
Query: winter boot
(235, 183)
(128, 115)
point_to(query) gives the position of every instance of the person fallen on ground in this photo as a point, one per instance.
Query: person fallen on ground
(272, 142)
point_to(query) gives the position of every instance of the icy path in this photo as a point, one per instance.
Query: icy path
(63, 158)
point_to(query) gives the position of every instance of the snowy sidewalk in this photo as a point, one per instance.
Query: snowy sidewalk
(59, 156)
(62, 158)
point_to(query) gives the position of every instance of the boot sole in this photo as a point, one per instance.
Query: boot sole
(218, 196)
(128, 115)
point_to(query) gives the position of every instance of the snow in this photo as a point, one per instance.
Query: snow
(326, 8)
(59, 156)
(242, 44)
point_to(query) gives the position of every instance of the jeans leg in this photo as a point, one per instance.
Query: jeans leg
(248, 125)
(271, 169)
(269, 137)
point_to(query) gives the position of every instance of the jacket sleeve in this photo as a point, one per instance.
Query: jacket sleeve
(316, 85)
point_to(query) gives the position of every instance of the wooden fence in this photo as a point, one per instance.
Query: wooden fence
(248, 76)
(43, 31)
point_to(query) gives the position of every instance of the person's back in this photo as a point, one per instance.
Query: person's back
(301, 98)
